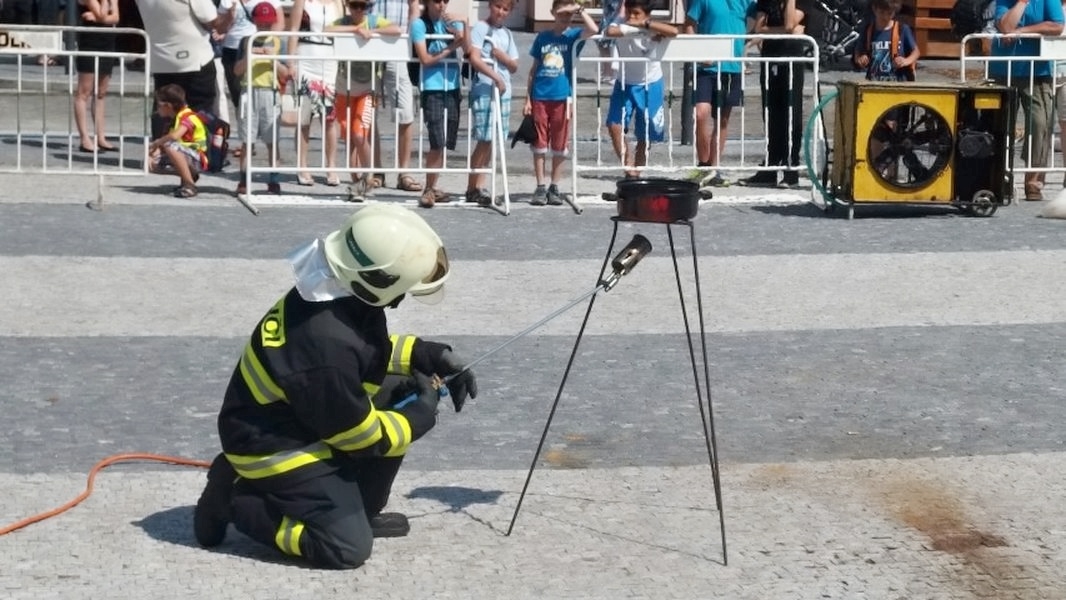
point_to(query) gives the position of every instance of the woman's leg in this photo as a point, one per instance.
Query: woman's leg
(82, 97)
(99, 112)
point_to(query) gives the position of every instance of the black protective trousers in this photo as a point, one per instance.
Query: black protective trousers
(334, 510)
(782, 99)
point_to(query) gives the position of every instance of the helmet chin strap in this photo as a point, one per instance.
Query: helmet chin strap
(314, 279)
(396, 301)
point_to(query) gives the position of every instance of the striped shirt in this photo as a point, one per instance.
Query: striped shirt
(395, 11)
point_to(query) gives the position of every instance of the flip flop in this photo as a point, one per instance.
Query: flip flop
(407, 183)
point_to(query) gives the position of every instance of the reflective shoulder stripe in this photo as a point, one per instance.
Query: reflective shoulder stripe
(257, 379)
(288, 536)
(361, 436)
(268, 465)
(398, 430)
(400, 360)
(371, 389)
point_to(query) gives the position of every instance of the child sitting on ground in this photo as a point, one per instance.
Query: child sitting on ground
(183, 149)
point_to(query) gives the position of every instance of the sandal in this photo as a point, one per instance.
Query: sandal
(439, 196)
(332, 180)
(305, 180)
(407, 183)
(185, 191)
(377, 180)
(427, 199)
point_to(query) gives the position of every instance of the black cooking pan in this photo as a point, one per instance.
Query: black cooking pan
(657, 200)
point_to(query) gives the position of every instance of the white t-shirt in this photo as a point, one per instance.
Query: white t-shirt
(178, 30)
(242, 25)
(637, 43)
(484, 37)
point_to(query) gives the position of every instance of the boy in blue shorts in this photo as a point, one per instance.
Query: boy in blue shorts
(718, 85)
(550, 93)
(493, 55)
(638, 90)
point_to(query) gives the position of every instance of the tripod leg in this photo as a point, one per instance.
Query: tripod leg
(706, 411)
(562, 384)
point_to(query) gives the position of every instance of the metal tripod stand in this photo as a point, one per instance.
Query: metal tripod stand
(703, 387)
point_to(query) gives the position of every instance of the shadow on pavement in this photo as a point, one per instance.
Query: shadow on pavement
(456, 498)
(870, 211)
(174, 526)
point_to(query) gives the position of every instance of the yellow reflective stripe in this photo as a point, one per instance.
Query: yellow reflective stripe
(400, 361)
(257, 379)
(268, 465)
(371, 389)
(398, 430)
(288, 536)
(361, 436)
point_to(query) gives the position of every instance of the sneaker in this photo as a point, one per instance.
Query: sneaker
(540, 196)
(274, 188)
(760, 179)
(555, 198)
(715, 181)
(484, 198)
(471, 195)
(212, 514)
(790, 180)
(386, 525)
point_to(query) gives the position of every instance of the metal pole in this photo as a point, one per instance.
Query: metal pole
(686, 105)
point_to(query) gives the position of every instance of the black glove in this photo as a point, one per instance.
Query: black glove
(417, 400)
(437, 358)
(464, 384)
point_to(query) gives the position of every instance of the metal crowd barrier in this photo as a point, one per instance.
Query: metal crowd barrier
(978, 68)
(745, 147)
(32, 140)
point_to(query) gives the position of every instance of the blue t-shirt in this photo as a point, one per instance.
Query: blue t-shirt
(551, 81)
(880, 52)
(443, 76)
(722, 17)
(1036, 11)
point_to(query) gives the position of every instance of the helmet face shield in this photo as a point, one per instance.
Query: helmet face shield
(386, 251)
(431, 289)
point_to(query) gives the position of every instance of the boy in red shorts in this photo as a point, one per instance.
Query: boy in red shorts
(550, 92)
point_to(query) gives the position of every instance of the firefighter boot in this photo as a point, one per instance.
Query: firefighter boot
(389, 524)
(213, 512)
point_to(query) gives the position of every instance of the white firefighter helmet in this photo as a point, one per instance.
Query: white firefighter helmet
(384, 251)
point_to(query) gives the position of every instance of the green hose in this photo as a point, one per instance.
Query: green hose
(808, 133)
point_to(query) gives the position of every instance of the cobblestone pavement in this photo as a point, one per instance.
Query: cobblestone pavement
(888, 398)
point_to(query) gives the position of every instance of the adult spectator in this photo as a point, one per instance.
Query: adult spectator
(718, 85)
(94, 72)
(181, 53)
(241, 26)
(315, 74)
(31, 12)
(1031, 78)
(781, 84)
(399, 95)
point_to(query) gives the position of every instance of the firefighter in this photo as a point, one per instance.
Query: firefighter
(324, 403)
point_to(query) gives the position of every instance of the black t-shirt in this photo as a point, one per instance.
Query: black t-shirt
(775, 17)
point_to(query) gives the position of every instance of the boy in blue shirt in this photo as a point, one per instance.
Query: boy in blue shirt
(493, 55)
(440, 90)
(549, 94)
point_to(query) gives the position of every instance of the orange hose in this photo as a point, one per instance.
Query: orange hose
(110, 460)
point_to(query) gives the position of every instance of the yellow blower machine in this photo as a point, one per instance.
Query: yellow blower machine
(923, 144)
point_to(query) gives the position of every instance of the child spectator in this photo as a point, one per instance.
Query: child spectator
(638, 91)
(493, 55)
(356, 82)
(266, 73)
(888, 51)
(183, 149)
(550, 94)
(440, 90)
(612, 11)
